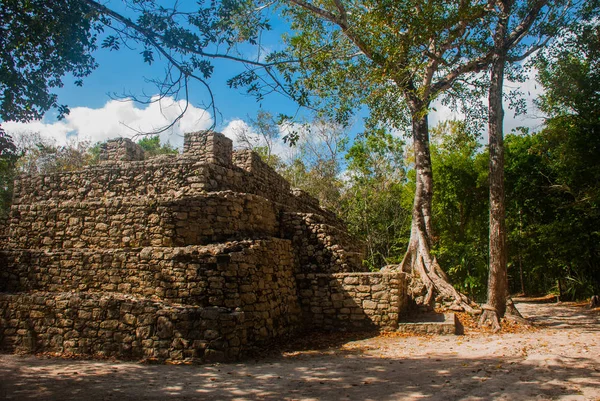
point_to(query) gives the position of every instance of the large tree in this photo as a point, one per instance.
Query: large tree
(520, 29)
(396, 58)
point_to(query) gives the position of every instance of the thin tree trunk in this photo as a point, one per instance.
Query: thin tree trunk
(418, 258)
(520, 258)
(497, 291)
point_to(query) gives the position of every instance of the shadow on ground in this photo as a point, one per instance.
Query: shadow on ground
(337, 377)
(553, 363)
(566, 316)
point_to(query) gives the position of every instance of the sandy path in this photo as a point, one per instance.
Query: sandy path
(559, 361)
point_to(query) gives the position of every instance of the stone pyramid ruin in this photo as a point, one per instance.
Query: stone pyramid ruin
(199, 256)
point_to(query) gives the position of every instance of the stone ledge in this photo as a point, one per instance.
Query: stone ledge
(353, 301)
(438, 323)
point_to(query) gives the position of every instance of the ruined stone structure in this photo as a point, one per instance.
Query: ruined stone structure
(194, 256)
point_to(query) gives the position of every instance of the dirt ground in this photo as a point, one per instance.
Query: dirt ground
(558, 360)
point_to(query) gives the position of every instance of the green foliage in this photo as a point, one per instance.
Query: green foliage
(571, 72)
(377, 200)
(8, 157)
(553, 214)
(271, 159)
(319, 180)
(30, 153)
(152, 147)
(552, 186)
(376, 55)
(40, 42)
(553, 177)
(38, 155)
(460, 206)
(7, 145)
(316, 165)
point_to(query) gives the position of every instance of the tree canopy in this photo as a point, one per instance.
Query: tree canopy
(40, 43)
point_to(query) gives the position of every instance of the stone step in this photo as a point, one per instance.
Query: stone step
(431, 323)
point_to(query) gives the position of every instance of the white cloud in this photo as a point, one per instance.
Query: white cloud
(531, 90)
(532, 119)
(237, 127)
(442, 113)
(119, 119)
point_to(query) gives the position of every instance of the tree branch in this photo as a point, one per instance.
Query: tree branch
(521, 30)
(475, 65)
(342, 22)
(154, 36)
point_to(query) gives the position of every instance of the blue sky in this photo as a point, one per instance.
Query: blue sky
(96, 116)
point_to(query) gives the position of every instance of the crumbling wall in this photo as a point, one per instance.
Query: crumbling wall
(121, 149)
(256, 276)
(264, 180)
(189, 174)
(199, 255)
(151, 178)
(208, 147)
(4, 237)
(320, 246)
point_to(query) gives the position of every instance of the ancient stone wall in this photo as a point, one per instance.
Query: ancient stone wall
(322, 247)
(118, 325)
(265, 181)
(352, 301)
(256, 276)
(4, 238)
(199, 255)
(174, 177)
(123, 149)
(134, 222)
(214, 148)
(152, 178)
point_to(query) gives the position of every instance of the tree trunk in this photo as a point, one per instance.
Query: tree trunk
(520, 258)
(497, 292)
(418, 258)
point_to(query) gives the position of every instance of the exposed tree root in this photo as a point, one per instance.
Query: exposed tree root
(418, 260)
(594, 301)
(513, 313)
(489, 317)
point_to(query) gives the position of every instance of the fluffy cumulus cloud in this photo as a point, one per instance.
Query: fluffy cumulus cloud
(119, 118)
(234, 131)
